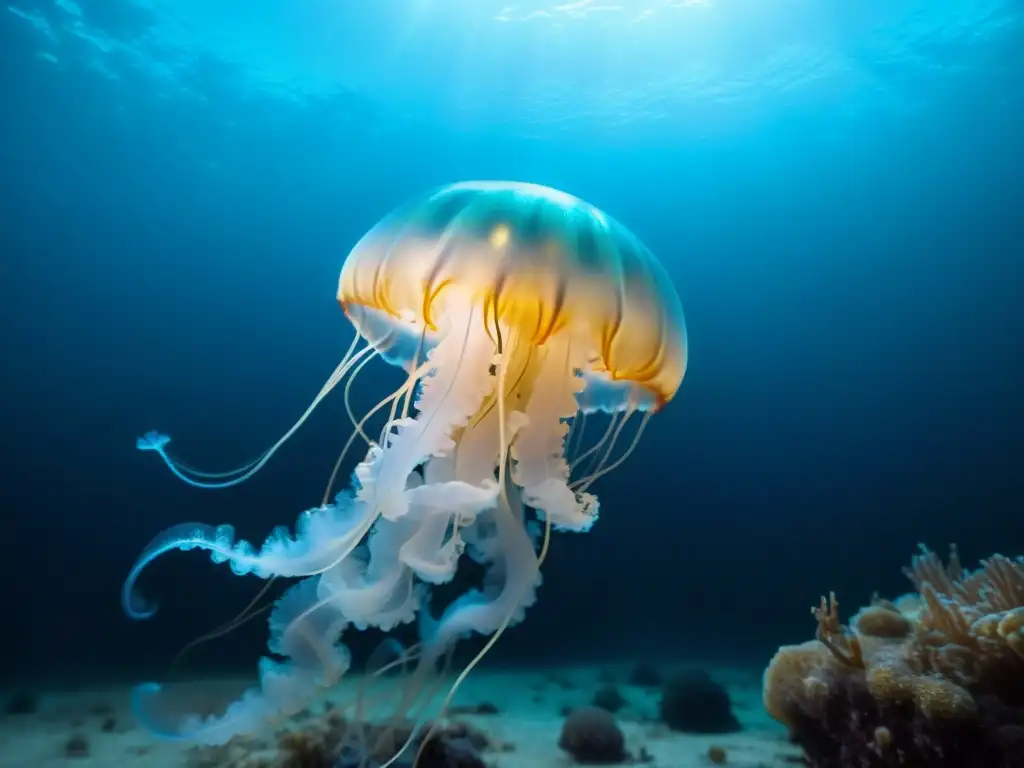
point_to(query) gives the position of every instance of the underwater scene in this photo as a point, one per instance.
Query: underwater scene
(512, 383)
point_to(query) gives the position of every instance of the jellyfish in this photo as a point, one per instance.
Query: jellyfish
(515, 311)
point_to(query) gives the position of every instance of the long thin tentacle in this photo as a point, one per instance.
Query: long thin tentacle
(157, 442)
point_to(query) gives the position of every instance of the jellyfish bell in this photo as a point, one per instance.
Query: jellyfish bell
(534, 259)
(540, 279)
(515, 310)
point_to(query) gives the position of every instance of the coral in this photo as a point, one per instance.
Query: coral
(329, 741)
(301, 749)
(692, 702)
(931, 680)
(969, 624)
(592, 737)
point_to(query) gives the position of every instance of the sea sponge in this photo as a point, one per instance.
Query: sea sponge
(934, 680)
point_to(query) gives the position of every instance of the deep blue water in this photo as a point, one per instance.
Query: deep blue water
(838, 195)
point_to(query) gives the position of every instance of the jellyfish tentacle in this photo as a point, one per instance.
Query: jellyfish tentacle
(504, 356)
(433, 551)
(373, 587)
(316, 660)
(499, 539)
(584, 483)
(403, 656)
(157, 442)
(509, 589)
(449, 396)
(605, 436)
(540, 467)
(390, 399)
(577, 431)
(509, 586)
(376, 587)
(597, 464)
(248, 613)
(407, 397)
(324, 535)
(356, 425)
(425, 691)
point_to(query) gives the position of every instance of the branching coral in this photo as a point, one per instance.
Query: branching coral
(969, 623)
(931, 680)
(844, 645)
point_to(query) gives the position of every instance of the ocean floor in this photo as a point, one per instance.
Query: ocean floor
(523, 714)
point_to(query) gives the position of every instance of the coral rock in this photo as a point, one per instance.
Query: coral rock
(592, 737)
(931, 680)
(692, 702)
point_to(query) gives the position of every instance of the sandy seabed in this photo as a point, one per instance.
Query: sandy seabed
(93, 728)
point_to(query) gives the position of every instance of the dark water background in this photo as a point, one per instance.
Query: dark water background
(853, 289)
